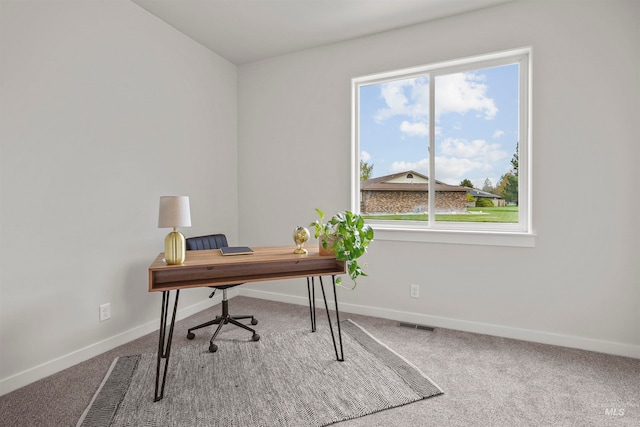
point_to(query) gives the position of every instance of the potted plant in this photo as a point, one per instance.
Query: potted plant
(347, 236)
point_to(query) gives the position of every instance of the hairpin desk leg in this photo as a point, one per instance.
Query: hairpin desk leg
(340, 357)
(164, 342)
(311, 289)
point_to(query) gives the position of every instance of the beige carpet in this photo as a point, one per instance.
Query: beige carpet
(487, 380)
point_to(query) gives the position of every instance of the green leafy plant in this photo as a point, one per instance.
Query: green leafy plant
(483, 202)
(347, 235)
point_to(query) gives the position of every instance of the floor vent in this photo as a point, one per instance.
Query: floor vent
(414, 326)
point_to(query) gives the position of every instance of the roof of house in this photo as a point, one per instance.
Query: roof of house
(406, 181)
(479, 193)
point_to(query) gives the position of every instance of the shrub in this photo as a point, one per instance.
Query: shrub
(483, 202)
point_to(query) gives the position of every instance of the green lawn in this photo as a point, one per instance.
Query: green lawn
(502, 214)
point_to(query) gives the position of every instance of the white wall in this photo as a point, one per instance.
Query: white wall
(579, 285)
(104, 109)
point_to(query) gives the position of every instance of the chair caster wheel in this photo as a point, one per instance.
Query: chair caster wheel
(255, 337)
(213, 348)
(191, 336)
(254, 321)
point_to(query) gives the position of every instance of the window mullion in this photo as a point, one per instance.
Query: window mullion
(431, 151)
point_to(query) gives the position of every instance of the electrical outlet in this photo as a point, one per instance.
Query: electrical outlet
(105, 312)
(415, 291)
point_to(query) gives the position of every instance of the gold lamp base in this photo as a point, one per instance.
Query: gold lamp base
(174, 248)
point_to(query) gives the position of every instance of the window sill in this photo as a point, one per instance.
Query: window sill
(460, 237)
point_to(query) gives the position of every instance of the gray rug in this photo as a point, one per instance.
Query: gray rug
(286, 379)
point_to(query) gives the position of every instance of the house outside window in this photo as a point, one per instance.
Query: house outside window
(408, 192)
(473, 114)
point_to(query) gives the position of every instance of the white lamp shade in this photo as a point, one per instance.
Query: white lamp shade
(174, 212)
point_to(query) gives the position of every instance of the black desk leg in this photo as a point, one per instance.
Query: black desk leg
(311, 289)
(340, 357)
(164, 341)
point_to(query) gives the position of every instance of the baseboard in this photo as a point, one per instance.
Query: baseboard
(36, 373)
(600, 346)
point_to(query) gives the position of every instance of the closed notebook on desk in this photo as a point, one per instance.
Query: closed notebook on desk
(236, 250)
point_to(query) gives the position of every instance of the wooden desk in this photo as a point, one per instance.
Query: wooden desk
(210, 268)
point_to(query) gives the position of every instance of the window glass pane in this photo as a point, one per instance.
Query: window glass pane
(476, 140)
(394, 143)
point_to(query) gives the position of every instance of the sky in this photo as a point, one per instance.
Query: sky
(476, 125)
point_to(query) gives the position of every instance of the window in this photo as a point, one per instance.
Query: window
(443, 149)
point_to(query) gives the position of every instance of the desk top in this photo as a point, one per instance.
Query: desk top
(210, 268)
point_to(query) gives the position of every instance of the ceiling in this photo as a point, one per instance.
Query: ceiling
(244, 31)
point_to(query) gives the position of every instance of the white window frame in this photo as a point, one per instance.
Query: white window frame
(500, 234)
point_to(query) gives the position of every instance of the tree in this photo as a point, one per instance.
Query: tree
(511, 192)
(502, 184)
(488, 187)
(365, 170)
(514, 161)
(466, 183)
(508, 186)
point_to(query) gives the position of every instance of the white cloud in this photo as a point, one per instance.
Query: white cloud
(452, 170)
(455, 93)
(408, 97)
(460, 158)
(364, 156)
(421, 166)
(498, 133)
(461, 93)
(478, 149)
(394, 97)
(414, 129)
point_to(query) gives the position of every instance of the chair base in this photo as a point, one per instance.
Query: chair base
(223, 320)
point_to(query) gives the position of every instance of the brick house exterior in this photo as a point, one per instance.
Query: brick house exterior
(408, 192)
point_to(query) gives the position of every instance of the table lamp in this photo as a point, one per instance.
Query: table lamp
(174, 212)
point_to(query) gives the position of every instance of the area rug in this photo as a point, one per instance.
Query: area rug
(285, 379)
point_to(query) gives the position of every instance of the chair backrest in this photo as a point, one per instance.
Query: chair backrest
(212, 241)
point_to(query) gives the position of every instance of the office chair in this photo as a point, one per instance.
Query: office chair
(216, 241)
